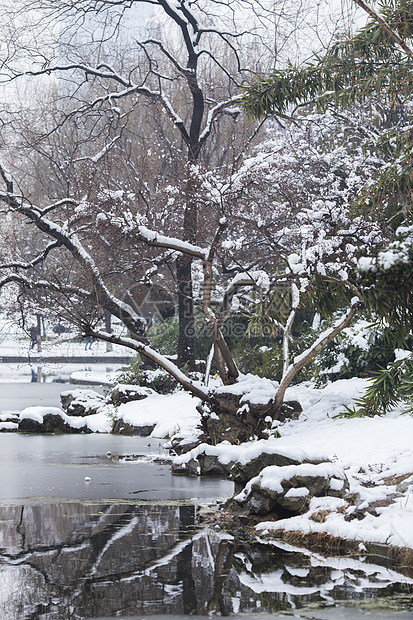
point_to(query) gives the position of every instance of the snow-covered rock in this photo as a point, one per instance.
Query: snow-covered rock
(122, 393)
(50, 420)
(80, 402)
(289, 489)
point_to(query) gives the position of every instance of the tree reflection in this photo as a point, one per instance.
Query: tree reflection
(74, 560)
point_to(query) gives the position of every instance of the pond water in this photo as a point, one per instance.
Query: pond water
(87, 533)
(131, 542)
(16, 396)
(55, 466)
(77, 560)
(51, 371)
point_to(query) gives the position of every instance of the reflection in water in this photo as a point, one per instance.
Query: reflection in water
(74, 560)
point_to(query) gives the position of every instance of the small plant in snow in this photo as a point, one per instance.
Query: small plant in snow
(389, 386)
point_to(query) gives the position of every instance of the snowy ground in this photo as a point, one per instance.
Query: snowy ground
(375, 453)
(15, 341)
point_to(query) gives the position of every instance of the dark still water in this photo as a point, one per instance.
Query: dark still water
(75, 560)
(130, 542)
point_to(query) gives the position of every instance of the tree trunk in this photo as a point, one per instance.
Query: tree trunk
(108, 328)
(186, 332)
(322, 341)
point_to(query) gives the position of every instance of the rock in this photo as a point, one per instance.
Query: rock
(203, 465)
(126, 393)
(52, 423)
(296, 500)
(290, 410)
(202, 462)
(287, 490)
(224, 419)
(182, 445)
(231, 417)
(9, 417)
(123, 428)
(8, 426)
(81, 402)
(362, 508)
(241, 473)
(258, 504)
(209, 465)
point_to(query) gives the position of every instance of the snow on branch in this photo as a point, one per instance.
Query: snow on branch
(164, 51)
(29, 265)
(154, 238)
(55, 205)
(98, 156)
(254, 278)
(88, 70)
(129, 89)
(295, 302)
(195, 387)
(44, 285)
(71, 242)
(216, 111)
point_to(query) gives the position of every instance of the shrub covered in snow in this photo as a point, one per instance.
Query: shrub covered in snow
(158, 380)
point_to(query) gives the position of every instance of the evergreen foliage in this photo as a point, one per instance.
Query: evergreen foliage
(389, 386)
(353, 69)
(373, 71)
(158, 380)
(387, 283)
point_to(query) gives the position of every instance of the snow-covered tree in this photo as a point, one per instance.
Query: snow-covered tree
(156, 82)
(278, 221)
(185, 62)
(371, 70)
(284, 226)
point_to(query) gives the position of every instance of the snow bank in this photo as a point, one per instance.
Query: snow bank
(252, 389)
(171, 414)
(8, 426)
(175, 413)
(246, 452)
(37, 413)
(393, 525)
(370, 450)
(97, 423)
(271, 477)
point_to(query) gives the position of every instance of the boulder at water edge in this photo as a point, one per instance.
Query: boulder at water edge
(287, 490)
